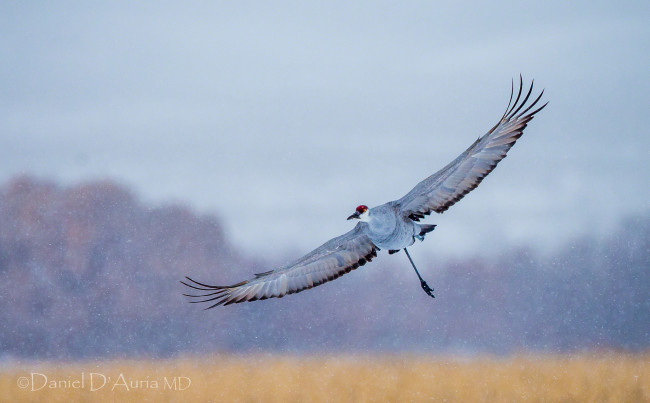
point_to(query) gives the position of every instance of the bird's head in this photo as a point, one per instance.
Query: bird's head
(361, 213)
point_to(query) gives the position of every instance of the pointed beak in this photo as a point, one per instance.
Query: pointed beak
(355, 215)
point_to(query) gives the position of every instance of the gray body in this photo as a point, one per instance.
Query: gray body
(392, 226)
(389, 229)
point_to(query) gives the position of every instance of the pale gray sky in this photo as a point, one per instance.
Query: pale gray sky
(283, 117)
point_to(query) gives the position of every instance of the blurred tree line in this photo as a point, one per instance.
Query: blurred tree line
(89, 271)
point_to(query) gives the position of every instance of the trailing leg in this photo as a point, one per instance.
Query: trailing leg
(423, 283)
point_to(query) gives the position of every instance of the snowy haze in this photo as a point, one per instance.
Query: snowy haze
(282, 117)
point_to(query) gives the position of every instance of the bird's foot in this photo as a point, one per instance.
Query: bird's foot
(427, 289)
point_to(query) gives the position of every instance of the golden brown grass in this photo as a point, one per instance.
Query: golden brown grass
(603, 377)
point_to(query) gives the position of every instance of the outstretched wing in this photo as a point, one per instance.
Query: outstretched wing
(336, 257)
(444, 188)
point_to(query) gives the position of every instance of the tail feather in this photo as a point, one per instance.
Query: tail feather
(426, 228)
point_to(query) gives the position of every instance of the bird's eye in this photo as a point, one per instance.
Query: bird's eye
(362, 209)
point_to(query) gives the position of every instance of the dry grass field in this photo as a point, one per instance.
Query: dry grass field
(605, 377)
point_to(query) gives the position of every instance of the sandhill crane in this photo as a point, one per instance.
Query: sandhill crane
(392, 226)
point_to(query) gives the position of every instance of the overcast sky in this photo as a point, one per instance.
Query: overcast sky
(282, 117)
